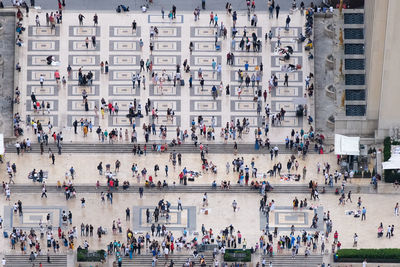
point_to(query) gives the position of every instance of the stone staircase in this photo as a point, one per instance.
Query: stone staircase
(127, 148)
(56, 260)
(195, 189)
(179, 260)
(298, 261)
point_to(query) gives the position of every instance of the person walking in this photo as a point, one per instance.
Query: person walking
(205, 200)
(355, 240)
(44, 192)
(349, 197)
(234, 205)
(80, 18)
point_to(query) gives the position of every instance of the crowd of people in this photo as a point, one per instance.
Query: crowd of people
(159, 240)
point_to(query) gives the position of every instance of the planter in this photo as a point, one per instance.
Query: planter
(330, 122)
(92, 264)
(329, 31)
(237, 255)
(330, 62)
(95, 257)
(330, 91)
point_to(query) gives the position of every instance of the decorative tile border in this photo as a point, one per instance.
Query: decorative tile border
(124, 31)
(43, 31)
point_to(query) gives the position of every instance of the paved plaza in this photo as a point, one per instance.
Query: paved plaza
(112, 52)
(117, 44)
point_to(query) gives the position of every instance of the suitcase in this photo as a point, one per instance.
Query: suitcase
(182, 82)
(5, 234)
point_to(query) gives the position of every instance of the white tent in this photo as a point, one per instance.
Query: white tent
(1, 144)
(394, 162)
(345, 145)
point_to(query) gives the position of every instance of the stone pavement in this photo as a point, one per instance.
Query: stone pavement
(156, 6)
(87, 173)
(119, 45)
(99, 214)
(7, 71)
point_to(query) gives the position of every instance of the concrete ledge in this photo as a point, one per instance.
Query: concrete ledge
(349, 10)
(354, 41)
(354, 72)
(323, 15)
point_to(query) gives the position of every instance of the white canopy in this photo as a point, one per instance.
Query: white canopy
(394, 161)
(345, 145)
(1, 144)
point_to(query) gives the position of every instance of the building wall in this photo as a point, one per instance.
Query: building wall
(390, 86)
(375, 21)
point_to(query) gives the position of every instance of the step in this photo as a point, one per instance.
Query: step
(298, 261)
(57, 260)
(289, 188)
(179, 260)
(127, 148)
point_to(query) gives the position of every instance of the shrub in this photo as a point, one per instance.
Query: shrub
(391, 176)
(386, 148)
(371, 255)
(90, 256)
(237, 255)
(367, 174)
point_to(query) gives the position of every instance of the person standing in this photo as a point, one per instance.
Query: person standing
(53, 158)
(41, 80)
(277, 8)
(363, 214)
(179, 204)
(174, 11)
(94, 41)
(140, 192)
(127, 214)
(95, 20)
(287, 22)
(286, 82)
(18, 147)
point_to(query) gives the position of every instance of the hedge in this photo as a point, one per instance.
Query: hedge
(390, 255)
(85, 255)
(237, 255)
